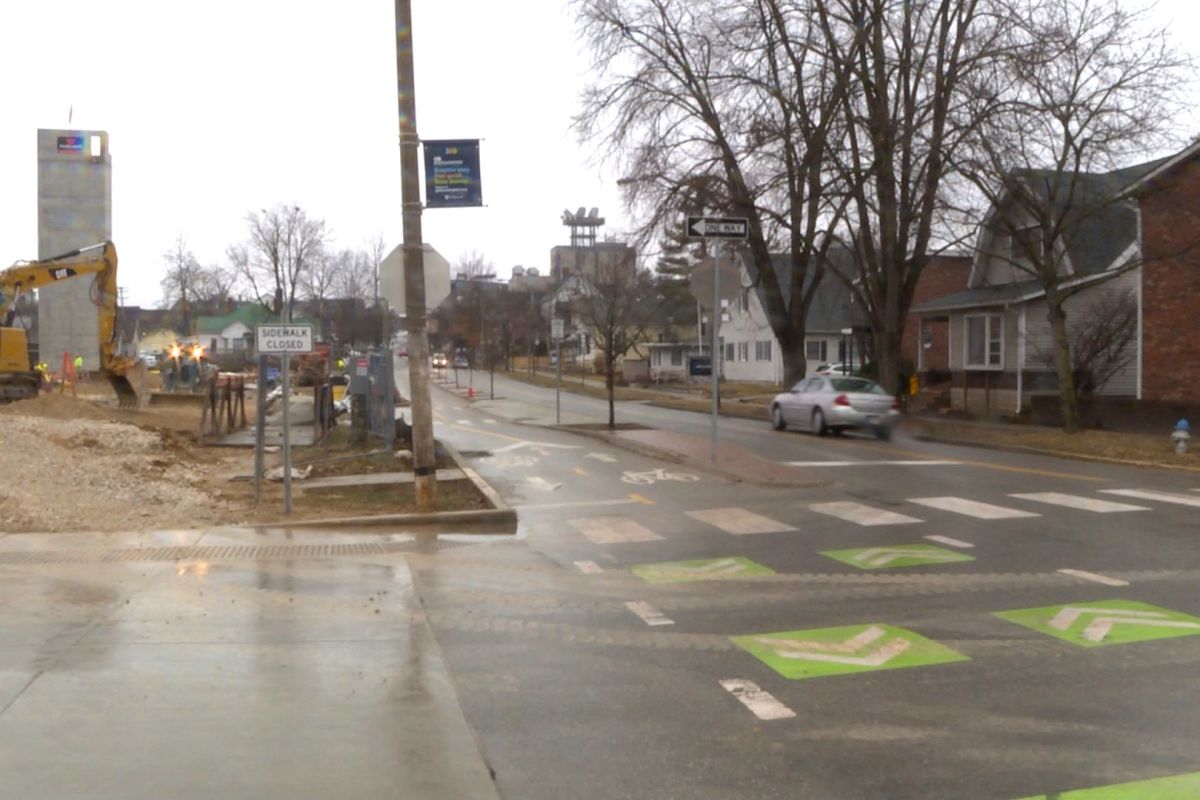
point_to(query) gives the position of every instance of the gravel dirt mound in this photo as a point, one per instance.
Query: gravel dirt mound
(75, 465)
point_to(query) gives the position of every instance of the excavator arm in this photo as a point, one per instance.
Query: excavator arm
(126, 375)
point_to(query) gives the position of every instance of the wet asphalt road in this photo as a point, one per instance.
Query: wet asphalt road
(839, 641)
(575, 694)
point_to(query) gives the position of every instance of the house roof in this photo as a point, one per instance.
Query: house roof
(989, 296)
(1106, 219)
(249, 314)
(832, 307)
(982, 296)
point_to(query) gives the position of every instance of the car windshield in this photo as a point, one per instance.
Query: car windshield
(858, 385)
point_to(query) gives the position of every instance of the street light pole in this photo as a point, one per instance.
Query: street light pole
(424, 464)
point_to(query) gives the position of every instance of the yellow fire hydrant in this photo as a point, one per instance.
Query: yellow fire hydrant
(1180, 436)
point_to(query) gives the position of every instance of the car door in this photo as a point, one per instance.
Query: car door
(788, 404)
(801, 404)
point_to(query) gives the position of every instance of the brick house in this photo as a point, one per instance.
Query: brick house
(1142, 248)
(925, 345)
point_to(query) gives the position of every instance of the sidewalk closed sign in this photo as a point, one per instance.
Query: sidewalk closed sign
(283, 339)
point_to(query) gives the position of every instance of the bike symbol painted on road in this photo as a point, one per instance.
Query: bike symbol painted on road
(841, 651)
(1105, 622)
(655, 475)
(709, 569)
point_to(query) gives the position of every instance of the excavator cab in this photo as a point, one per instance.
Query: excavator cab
(18, 378)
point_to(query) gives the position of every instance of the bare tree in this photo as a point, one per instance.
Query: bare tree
(734, 103)
(356, 275)
(181, 280)
(284, 246)
(909, 63)
(216, 285)
(1084, 88)
(474, 266)
(616, 306)
(1102, 342)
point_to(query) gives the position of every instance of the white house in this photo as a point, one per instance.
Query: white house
(749, 349)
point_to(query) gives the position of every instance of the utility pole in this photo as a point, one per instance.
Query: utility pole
(424, 465)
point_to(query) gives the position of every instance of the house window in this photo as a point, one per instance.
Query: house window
(815, 350)
(985, 341)
(729, 352)
(762, 350)
(676, 357)
(743, 351)
(1028, 243)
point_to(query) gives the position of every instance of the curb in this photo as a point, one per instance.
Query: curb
(500, 519)
(1037, 451)
(700, 465)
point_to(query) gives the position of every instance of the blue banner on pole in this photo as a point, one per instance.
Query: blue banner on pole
(452, 173)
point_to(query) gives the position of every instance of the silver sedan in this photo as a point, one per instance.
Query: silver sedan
(826, 403)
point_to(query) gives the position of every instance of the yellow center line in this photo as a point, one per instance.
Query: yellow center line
(580, 471)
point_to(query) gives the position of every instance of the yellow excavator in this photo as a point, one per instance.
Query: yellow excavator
(18, 378)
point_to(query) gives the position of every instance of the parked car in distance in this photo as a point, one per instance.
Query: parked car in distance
(460, 362)
(835, 369)
(439, 361)
(149, 359)
(825, 403)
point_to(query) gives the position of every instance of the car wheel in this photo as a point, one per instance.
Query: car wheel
(777, 420)
(818, 423)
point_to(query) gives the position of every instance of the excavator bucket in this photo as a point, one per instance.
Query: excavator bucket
(130, 384)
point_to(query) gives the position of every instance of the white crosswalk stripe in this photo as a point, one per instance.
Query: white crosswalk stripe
(862, 514)
(739, 521)
(971, 508)
(612, 530)
(1082, 503)
(1162, 497)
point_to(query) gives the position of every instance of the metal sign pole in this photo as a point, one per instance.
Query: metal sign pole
(287, 435)
(716, 322)
(260, 426)
(558, 383)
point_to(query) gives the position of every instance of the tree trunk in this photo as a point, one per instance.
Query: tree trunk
(1067, 393)
(610, 368)
(888, 357)
(795, 363)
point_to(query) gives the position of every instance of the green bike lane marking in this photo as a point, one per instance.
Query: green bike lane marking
(844, 650)
(1176, 787)
(1105, 622)
(705, 569)
(901, 555)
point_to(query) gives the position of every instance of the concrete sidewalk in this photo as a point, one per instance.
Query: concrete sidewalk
(224, 664)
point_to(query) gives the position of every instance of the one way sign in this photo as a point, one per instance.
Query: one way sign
(718, 227)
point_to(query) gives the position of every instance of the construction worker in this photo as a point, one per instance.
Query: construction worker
(78, 366)
(43, 370)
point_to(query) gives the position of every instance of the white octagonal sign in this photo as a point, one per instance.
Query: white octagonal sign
(391, 278)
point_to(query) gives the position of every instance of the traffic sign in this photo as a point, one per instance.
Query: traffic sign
(1105, 622)
(437, 278)
(718, 227)
(280, 339)
(556, 328)
(700, 281)
(840, 651)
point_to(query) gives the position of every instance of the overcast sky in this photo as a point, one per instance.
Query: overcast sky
(218, 108)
